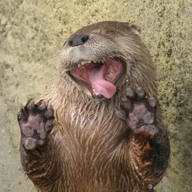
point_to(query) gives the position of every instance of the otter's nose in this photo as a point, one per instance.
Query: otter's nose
(78, 40)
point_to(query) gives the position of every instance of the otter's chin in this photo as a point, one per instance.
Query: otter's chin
(100, 78)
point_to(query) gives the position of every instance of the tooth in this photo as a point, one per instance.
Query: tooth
(94, 91)
(109, 76)
(85, 62)
(81, 66)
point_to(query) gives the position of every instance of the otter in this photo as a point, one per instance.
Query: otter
(100, 127)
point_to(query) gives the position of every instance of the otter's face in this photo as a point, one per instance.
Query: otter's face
(94, 57)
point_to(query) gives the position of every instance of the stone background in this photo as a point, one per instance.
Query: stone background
(32, 33)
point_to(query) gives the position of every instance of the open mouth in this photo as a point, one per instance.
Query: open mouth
(99, 78)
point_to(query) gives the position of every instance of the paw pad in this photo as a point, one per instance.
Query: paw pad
(138, 111)
(36, 122)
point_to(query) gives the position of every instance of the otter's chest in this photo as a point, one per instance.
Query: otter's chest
(93, 145)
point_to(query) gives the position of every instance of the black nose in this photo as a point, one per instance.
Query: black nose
(78, 40)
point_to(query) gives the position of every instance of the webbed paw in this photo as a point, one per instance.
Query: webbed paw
(138, 111)
(36, 122)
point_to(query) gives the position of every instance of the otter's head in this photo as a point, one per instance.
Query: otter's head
(104, 56)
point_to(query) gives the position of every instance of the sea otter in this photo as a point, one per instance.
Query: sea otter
(99, 128)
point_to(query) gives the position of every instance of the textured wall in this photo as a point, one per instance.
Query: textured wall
(32, 33)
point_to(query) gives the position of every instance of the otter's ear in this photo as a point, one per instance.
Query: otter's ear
(136, 29)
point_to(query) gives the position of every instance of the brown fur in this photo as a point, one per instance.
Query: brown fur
(89, 148)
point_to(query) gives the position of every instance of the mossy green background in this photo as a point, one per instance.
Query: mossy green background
(32, 33)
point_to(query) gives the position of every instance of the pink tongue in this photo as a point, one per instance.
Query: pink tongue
(102, 86)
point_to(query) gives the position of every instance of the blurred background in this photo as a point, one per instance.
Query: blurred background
(32, 33)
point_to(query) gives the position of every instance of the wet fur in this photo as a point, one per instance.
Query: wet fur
(90, 148)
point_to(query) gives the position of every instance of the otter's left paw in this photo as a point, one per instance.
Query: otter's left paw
(138, 111)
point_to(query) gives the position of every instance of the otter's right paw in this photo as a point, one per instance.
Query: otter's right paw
(36, 122)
